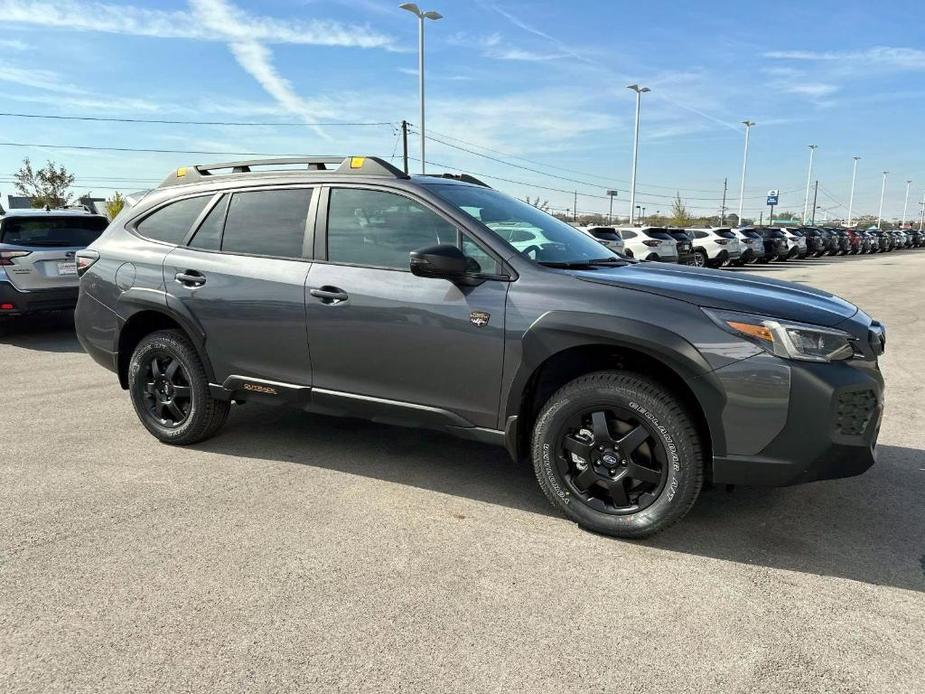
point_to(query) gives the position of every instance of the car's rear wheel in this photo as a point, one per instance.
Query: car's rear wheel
(700, 258)
(616, 453)
(170, 390)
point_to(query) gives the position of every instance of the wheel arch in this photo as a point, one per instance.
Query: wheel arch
(561, 347)
(144, 313)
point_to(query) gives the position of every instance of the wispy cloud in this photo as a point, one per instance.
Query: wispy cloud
(523, 55)
(883, 56)
(87, 15)
(13, 44)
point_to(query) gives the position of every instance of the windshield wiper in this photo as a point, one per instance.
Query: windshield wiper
(595, 262)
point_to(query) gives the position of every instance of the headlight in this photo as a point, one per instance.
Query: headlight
(787, 339)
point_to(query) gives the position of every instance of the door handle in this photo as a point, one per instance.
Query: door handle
(329, 295)
(190, 278)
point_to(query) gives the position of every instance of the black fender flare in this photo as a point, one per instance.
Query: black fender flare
(138, 299)
(557, 331)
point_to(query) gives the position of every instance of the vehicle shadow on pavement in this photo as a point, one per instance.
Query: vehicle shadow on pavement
(44, 332)
(869, 528)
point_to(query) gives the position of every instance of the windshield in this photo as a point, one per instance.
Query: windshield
(52, 231)
(535, 234)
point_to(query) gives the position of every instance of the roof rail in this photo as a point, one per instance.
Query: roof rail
(359, 166)
(465, 178)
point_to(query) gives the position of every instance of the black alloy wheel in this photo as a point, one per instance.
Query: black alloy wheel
(610, 460)
(167, 391)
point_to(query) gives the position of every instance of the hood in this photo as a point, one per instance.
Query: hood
(726, 290)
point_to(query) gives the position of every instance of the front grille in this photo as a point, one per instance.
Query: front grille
(854, 411)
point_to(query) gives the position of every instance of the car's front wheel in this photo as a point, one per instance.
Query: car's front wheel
(170, 390)
(616, 453)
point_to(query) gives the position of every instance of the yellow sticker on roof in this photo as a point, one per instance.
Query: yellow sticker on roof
(357, 162)
(181, 172)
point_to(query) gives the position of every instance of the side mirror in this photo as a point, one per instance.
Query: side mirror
(445, 261)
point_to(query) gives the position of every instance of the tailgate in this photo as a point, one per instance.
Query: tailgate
(48, 268)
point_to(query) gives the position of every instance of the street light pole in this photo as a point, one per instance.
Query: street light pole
(854, 175)
(639, 92)
(809, 178)
(906, 204)
(882, 191)
(415, 10)
(748, 126)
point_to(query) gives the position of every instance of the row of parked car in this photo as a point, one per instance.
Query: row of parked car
(721, 246)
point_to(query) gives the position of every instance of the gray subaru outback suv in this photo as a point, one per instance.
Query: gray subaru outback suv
(346, 287)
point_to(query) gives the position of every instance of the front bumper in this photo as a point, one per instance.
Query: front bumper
(57, 299)
(824, 426)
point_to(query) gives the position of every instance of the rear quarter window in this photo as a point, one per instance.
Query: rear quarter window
(172, 222)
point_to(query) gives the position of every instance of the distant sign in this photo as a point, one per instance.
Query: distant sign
(612, 193)
(773, 196)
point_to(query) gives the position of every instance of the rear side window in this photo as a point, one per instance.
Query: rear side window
(209, 235)
(267, 222)
(379, 229)
(605, 234)
(629, 234)
(700, 234)
(725, 233)
(52, 231)
(171, 223)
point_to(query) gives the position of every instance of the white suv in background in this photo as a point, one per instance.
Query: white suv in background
(650, 243)
(715, 247)
(607, 236)
(797, 242)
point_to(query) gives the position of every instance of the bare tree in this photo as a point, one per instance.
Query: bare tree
(46, 186)
(542, 205)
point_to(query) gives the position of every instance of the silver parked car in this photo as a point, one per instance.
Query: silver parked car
(38, 270)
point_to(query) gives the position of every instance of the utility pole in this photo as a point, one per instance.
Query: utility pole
(815, 197)
(761, 219)
(809, 177)
(905, 204)
(611, 194)
(854, 175)
(722, 213)
(404, 141)
(576, 206)
(922, 220)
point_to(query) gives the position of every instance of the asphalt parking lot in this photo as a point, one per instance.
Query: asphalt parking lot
(299, 552)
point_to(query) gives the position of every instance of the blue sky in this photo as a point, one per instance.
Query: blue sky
(537, 84)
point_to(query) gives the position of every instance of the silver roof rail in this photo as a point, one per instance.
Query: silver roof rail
(358, 166)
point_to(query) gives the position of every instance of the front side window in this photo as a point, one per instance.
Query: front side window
(172, 222)
(267, 222)
(535, 234)
(379, 229)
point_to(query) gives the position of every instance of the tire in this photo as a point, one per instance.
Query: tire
(700, 258)
(195, 415)
(665, 452)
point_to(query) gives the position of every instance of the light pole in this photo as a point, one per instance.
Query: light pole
(639, 92)
(854, 175)
(882, 191)
(922, 220)
(809, 178)
(748, 126)
(415, 10)
(906, 204)
(611, 194)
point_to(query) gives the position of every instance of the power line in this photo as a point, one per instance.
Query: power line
(145, 150)
(164, 121)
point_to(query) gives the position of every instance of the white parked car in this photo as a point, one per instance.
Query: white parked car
(797, 242)
(607, 236)
(650, 243)
(751, 243)
(715, 247)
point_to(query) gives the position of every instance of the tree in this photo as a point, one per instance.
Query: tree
(679, 214)
(114, 205)
(46, 186)
(540, 205)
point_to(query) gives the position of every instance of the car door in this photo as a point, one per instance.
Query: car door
(242, 277)
(392, 343)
